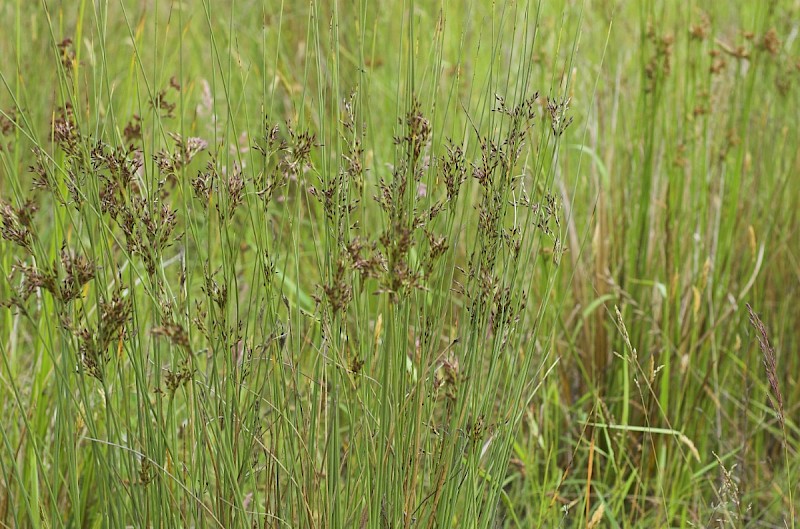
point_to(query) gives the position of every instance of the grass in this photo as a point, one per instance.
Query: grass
(401, 264)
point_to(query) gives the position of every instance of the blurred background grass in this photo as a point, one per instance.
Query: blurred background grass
(677, 197)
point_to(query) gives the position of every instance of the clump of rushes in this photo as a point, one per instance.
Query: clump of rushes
(236, 295)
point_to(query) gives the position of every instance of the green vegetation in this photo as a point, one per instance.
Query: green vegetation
(399, 264)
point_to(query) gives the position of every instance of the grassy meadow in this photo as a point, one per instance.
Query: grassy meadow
(414, 264)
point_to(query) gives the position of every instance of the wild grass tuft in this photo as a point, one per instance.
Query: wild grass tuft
(418, 264)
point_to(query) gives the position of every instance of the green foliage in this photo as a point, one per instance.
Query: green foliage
(418, 264)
